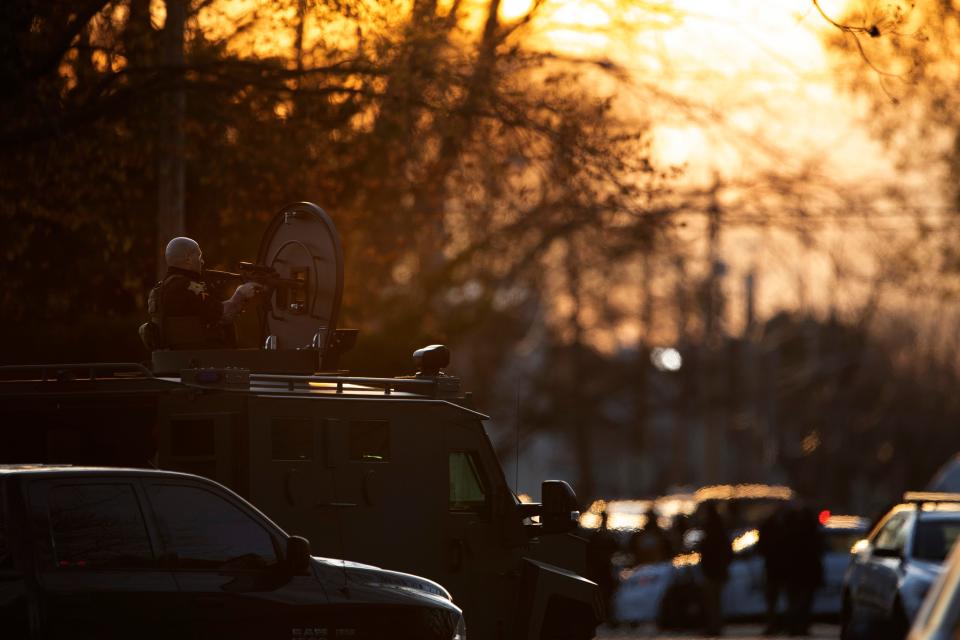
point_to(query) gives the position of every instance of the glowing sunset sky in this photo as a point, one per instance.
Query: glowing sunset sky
(732, 90)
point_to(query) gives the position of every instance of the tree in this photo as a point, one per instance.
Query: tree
(452, 157)
(909, 52)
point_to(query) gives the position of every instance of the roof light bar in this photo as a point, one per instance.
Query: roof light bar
(930, 496)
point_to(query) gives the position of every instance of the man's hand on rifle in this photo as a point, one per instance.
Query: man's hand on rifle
(245, 292)
(249, 290)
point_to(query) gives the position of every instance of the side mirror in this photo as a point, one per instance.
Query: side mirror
(298, 555)
(560, 512)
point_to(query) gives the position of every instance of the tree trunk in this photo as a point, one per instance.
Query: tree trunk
(578, 412)
(171, 142)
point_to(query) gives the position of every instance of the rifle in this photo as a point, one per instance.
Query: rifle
(250, 272)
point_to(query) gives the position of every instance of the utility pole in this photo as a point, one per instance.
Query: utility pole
(713, 318)
(171, 145)
(682, 413)
(751, 379)
(641, 440)
(583, 449)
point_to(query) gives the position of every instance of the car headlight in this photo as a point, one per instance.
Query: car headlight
(461, 632)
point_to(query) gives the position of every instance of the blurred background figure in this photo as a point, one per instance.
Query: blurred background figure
(601, 548)
(803, 549)
(678, 532)
(775, 553)
(715, 557)
(650, 544)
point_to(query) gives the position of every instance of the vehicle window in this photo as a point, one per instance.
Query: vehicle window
(466, 487)
(98, 526)
(206, 531)
(291, 439)
(893, 535)
(370, 440)
(934, 539)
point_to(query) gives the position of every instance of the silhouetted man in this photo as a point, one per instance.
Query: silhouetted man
(804, 547)
(600, 550)
(715, 557)
(773, 548)
(650, 544)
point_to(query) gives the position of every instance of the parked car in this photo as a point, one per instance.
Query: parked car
(742, 506)
(669, 592)
(91, 552)
(939, 615)
(895, 566)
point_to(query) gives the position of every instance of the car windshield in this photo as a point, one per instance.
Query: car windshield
(934, 538)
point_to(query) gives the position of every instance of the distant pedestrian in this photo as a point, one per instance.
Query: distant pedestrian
(600, 550)
(773, 548)
(678, 533)
(651, 543)
(715, 557)
(804, 567)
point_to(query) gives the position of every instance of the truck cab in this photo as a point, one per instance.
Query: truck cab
(90, 552)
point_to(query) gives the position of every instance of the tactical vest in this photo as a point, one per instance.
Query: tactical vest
(179, 332)
(151, 332)
(153, 303)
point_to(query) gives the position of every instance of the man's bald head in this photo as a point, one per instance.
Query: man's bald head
(184, 253)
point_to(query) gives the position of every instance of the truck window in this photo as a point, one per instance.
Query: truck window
(205, 531)
(291, 439)
(370, 440)
(466, 487)
(98, 526)
(893, 535)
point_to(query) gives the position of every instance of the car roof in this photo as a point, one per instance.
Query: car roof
(27, 469)
(940, 515)
(132, 379)
(743, 492)
(941, 511)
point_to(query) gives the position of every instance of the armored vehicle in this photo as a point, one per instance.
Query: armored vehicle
(89, 552)
(395, 472)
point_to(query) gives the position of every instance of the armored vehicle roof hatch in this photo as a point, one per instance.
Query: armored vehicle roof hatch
(295, 329)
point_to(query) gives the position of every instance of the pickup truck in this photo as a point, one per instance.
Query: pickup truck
(89, 552)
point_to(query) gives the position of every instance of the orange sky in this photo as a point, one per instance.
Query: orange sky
(763, 98)
(759, 96)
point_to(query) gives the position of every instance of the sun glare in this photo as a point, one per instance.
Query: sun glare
(511, 10)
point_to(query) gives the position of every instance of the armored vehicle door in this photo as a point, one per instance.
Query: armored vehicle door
(301, 243)
(289, 474)
(356, 477)
(480, 567)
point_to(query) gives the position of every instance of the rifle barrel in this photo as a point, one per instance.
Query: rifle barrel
(222, 274)
(270, 280)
